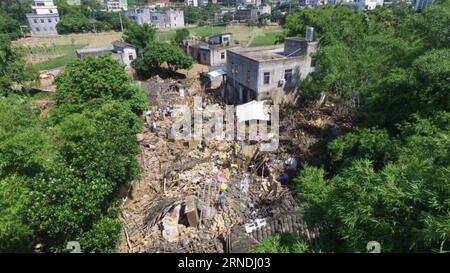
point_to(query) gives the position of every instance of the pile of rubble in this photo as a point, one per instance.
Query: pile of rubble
(213, 196)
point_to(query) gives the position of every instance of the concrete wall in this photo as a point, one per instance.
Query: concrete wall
(43, 24)
(238, 67)
(127, 52)
(44, 7)
(169, 19)
(221, 39)
(176, 18)
(295, 47)
(245, 73)
(139, 16)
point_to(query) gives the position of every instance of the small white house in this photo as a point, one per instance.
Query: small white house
(123, 52)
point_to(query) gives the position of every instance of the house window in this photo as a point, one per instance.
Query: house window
(222, 55)
(266, 77)
(35, 21)
(42, 20)
(130, 57)
(50, 10)
(313, 62)
(288, 75)
(37, 29)
(49, 20)
(45, 29)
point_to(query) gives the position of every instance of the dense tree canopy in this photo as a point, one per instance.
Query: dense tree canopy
(13, 70)
(159, 57)
(139, 36)
(59, 175)
(388, 181)
(96, 78)
(200, 15)
(180, 35)
(87, 17)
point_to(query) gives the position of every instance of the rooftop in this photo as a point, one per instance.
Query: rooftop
(94, 50)
(265, 53)
(122, 44)
(220, 34)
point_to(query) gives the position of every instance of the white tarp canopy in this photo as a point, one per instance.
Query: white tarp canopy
(217, 73)
(250, 111)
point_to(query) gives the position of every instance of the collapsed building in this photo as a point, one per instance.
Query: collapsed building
(175, 206)
(269, 72)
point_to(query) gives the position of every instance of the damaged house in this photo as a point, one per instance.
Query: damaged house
(269, 72)
(213, 52)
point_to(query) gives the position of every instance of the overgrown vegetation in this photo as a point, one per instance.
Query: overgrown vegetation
(88, 17)
(284, 243)
(155, 57)
(200, 15)
(14, 73)
(60, 173)
(12, 15)
(388, 181)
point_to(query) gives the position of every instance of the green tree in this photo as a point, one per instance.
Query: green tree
(73, 23)
(139, 36)
(93, 78)
(180, 35)
(389, 179)
(13, 70)
(16, 9)
(15, 234)
(159, 57)
(9, 26)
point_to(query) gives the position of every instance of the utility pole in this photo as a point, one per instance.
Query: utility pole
(121, 23)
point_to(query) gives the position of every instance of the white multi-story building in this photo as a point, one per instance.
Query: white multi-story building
(193, 3)
(368, 4)
(361, 4)
(117, 5)
(255, 3)
(44, 18)
(169, 19)
(202, 3)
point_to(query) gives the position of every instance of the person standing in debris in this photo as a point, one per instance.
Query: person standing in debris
(236, 148)
(221, 200)
(147, 118)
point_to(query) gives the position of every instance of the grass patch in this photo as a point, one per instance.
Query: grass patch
(206, 31)
(265, 39)
(203, 31)
(64, 54)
